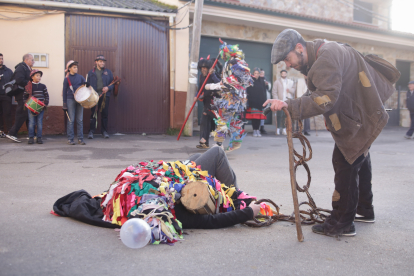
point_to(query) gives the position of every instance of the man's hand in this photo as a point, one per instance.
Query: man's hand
(105, 89)
(255, 207)
(211, 71)
(275, 105)
(195, 98)
(65, 107)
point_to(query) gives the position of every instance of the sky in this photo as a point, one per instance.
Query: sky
(401, 14)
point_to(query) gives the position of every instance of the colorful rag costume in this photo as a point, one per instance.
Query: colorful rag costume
(235, 79)
(150, 191)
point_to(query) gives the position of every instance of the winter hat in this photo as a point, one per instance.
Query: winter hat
(68, 65)
(35, 71)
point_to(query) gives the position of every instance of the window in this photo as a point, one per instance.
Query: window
(362, 11)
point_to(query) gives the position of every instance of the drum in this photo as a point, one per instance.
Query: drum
(196, 198)
(86, 96)
(35, 105)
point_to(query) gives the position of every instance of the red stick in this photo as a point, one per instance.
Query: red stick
(198, 95)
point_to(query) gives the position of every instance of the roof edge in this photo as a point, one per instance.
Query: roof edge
(88, 8)
(249, 8)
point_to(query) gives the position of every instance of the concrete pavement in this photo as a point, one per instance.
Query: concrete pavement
(33, 242)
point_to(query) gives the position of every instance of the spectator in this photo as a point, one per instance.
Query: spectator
(101, 80)
(5, 101)
(22, 77)
(256, 96)
(74, 110)
(301, 90)
(39, 91)
(267, 86)
(410, 106)
(283, 89)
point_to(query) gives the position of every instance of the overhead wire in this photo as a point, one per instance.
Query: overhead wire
(365, 10)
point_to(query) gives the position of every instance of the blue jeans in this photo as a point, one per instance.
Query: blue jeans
(33, 121)
(74, 110)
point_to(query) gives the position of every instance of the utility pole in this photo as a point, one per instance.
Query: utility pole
(192, 72)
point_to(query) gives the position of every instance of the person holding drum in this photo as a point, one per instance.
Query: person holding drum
(72, 108)
(101, 79)
(39, 98)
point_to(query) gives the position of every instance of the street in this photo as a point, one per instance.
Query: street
(34, 242)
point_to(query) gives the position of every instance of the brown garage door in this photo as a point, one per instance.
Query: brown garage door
(137, 52)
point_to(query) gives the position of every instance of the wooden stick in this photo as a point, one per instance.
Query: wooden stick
(292, 175)
(198, 95)
(68, 116)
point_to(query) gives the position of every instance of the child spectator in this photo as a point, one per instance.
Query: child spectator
(72, 82)
(39, 91)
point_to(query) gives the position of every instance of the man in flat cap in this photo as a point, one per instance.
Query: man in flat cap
(100, 79)
(350, 93)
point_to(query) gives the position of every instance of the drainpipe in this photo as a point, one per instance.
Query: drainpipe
(95, 8)
(172, 73)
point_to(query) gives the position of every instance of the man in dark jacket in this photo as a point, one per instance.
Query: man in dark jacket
(5, 101)
(22, 77)
(350, 94)
(410, 106)
(100, 78)
(207, 97)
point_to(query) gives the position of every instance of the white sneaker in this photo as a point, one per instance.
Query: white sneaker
(13, 138)
(277, 131)
(284, 131)
(258, 133)
(254, 133)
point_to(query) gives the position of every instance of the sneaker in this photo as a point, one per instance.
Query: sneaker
(278, 131)
(258, 133)
(319, 229)
(364, 219)
(90, 135)
(407, 137)
(39, 140)
(13, 138)
(70, 142)
(254, 133)
(81, 142)
(306, 133)
(284, 131)
(2, 134)
(31, 140)
(105, 135)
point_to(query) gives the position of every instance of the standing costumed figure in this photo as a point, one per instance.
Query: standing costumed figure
(228, 109)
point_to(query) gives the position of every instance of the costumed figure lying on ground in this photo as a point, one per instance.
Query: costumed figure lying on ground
(163, 194)
(236, 78)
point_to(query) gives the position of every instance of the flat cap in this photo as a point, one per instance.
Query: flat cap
(284, 43)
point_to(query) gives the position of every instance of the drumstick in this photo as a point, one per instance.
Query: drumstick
(68, 116)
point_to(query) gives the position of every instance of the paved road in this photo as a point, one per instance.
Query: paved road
(33, 242)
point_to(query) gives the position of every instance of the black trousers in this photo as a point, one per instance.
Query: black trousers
(104, 115)
(256, 124)
(20, 119)
(411, 130)
(5, 112)
(205, 125)
(353, 192)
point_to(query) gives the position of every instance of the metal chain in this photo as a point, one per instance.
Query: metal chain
(309, 216)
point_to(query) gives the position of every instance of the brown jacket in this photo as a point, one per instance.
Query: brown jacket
(348, 92)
